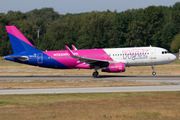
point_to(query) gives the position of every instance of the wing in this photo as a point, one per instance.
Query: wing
(89, 61)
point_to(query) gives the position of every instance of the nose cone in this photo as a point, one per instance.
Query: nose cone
(173, 58)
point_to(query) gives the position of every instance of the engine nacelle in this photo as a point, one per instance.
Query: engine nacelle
(114, 67)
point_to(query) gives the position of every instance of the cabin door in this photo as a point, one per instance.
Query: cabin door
(40, 58)
(153, 53)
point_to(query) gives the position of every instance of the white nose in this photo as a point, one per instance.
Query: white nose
(173, 58)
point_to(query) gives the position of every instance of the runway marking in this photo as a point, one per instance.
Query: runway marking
(92, 90)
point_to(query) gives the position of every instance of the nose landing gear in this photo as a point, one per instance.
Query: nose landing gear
(153, 73)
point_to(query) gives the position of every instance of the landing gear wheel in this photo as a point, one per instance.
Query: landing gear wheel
(153, 73)
(95, 74)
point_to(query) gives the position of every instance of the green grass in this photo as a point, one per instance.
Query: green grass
(96, 106)
(61, 84)
(8, 63)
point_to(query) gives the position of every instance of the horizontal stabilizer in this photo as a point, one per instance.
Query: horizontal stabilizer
(21, 58)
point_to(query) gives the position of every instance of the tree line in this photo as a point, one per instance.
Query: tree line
(155, 25)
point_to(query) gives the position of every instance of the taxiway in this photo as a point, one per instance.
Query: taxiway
(168, 79)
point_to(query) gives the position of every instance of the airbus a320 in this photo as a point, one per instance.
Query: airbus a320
(108, 60)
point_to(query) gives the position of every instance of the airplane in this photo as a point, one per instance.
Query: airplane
(108, 60)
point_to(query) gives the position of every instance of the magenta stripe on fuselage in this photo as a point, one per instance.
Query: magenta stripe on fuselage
(64, 57)
(15, 32)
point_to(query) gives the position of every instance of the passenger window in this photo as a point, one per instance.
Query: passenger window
(162, 52)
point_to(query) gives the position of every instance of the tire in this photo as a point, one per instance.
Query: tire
(95, 74)
(153, 73)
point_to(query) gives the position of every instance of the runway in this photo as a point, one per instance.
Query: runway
(92, 90)
(169, 79)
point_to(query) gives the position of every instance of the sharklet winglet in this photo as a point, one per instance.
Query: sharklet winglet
(69, 51)
(74, 47)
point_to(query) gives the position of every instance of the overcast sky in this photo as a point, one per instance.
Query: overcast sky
(79, 6)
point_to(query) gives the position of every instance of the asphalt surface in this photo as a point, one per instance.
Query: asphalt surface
(168, 79)
(92, 90)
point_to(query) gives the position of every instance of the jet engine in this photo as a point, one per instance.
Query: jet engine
(114, 67)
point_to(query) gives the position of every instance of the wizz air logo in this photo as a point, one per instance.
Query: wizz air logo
(135, 54)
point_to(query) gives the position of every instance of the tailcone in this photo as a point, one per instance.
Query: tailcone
(9, 58)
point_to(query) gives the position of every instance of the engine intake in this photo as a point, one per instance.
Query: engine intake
(115, 67)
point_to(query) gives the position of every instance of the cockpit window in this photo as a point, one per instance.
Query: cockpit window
(165, 52)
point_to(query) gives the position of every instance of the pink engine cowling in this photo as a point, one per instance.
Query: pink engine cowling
(114, 67)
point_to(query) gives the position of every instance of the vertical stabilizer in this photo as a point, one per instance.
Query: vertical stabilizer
(18, 41)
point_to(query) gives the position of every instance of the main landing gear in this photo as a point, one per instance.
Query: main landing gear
(96, 73)
(153, 73)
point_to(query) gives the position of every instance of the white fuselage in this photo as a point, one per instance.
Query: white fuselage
(141, 56)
